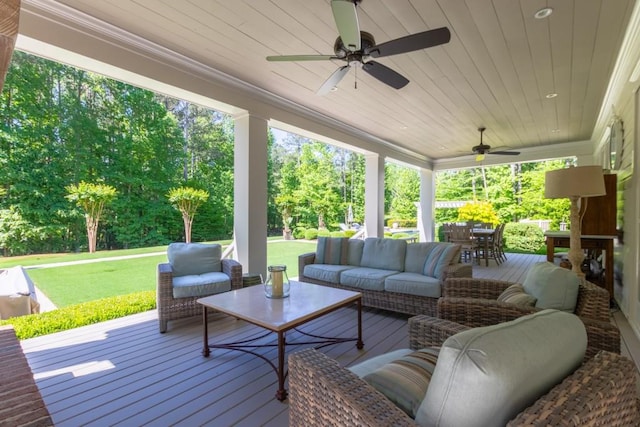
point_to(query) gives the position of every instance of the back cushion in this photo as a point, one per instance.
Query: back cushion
(194, 258)
(332, 250)
(354, 254)
(486, 376)
(440, 257)
(387, 254)
(416, 256)
(552, 286)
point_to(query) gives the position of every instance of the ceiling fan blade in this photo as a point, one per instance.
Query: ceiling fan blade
(333, 80)
(506, 153)
(277, 58)
(346, 17)
(385, 74)
(411, 42)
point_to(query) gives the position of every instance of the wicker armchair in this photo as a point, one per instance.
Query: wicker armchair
(171, 308)
(322, 393)
(473, 302)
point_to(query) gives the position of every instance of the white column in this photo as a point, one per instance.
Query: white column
(250, 192)
(374, 195)
(426, 210)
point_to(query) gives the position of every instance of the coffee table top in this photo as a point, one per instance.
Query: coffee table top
(306, 301)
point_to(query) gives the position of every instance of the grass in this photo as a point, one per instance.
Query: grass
(73, 284)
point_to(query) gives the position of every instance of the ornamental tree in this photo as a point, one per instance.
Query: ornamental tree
(91, 198)
(187, 200)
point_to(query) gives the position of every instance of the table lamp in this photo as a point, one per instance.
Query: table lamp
(575, 183)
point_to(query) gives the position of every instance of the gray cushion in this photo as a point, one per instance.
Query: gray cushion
(365, 278)
(324, 272)
(552, 286)
(387, 254)
(200, 285)
(486, 376)
(516, 295)
(441, 256)
(413, 284)
(354, 253)
(332, 250)
(416, 256)
(194, 258)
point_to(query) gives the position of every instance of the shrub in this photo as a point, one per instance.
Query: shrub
(311, 234)
(337, 234)
(87, 313)
(402, 223)
(479, 212)
(323, 232)
(299, 232)
(387, 234)
(526, 238)
(349, 233)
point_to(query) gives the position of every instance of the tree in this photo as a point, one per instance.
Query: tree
(92, 198)
(319, 193)
(402, 188)
(187, 200)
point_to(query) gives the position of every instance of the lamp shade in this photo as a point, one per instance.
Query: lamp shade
(580, 181)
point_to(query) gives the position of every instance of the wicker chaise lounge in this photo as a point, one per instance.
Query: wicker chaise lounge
(599, 392)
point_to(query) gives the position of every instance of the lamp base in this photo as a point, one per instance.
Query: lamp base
(575, 254)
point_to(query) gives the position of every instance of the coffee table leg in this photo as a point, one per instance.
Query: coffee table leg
(205, 323)
(359, 343)
(281, 394)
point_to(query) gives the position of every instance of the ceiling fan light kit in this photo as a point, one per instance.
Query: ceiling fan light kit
(355, 47)
(482, 149)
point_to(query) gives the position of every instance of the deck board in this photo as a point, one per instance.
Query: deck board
(125, 373)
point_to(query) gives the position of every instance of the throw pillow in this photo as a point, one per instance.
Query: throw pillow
(439, 258)
(405, 381)
(332, 250)
(554, 287)
(516, 295)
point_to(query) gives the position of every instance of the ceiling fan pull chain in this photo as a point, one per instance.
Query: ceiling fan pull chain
(355, 79)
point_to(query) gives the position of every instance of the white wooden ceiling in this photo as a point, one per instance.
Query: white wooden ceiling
(496, 71)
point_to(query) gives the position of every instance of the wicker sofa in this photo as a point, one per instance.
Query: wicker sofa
(194, 270)
(390, 273)
(474, 302)
(599, 392)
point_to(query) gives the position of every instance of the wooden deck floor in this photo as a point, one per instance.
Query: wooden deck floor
(124, 372)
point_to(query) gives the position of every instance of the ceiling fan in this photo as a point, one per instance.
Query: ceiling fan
(481, 150)
(355, 47)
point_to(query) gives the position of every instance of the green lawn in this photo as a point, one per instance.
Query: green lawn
(73, 284)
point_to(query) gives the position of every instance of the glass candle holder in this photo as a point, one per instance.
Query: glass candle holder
(277, 284)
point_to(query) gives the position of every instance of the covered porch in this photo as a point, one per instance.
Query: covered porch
(123, 372)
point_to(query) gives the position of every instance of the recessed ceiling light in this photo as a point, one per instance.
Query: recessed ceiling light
(334, 89)
(543, 13)
(551, 95)
(403, 127)
(555, 130)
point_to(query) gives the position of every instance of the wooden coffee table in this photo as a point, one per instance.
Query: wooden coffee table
(306, 302)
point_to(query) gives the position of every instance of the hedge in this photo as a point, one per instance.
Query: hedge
(402, 223)
(87, 313)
